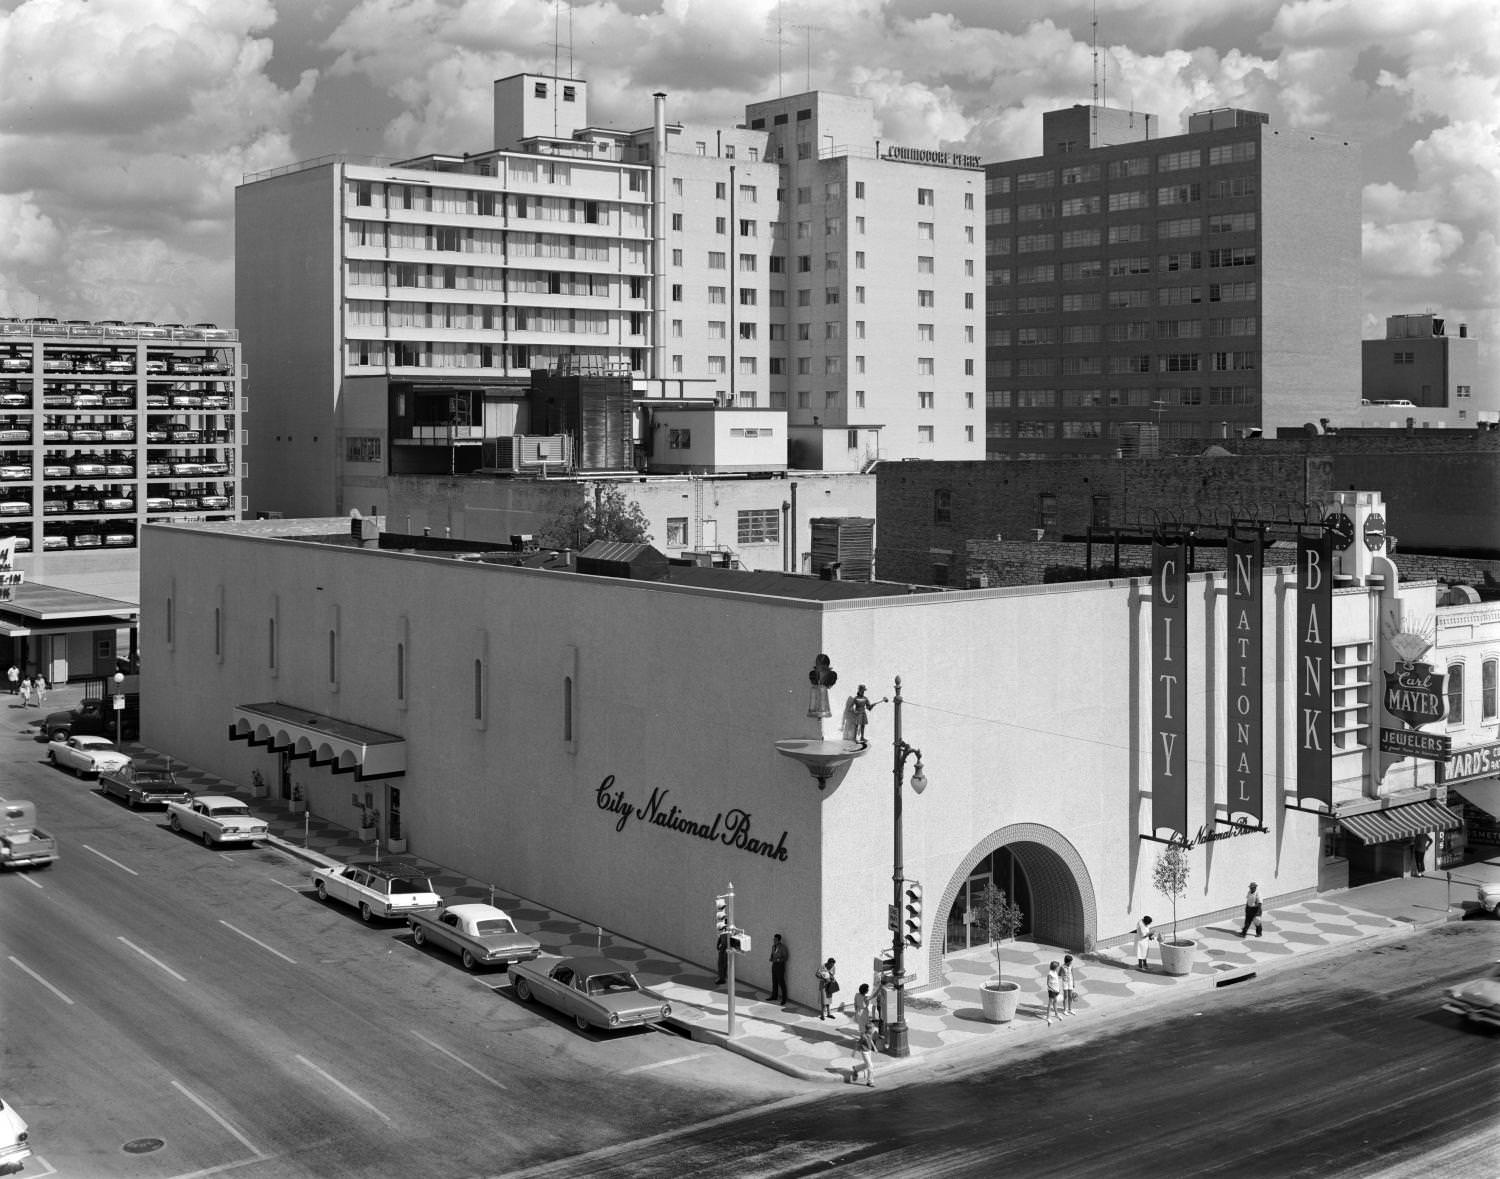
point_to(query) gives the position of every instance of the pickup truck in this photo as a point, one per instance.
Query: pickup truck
(216, 818)
(22, 842)
(95, 717)
(481, 935)
(144, 785)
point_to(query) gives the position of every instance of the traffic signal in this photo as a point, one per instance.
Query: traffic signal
(740, 942)
(911, 912)
(721, 914)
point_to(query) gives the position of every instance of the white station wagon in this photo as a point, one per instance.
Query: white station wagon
(376, 891)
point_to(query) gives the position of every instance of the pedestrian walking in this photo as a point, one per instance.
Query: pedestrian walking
(1054, 990)
(14, 675)
(779, 956)
(722, 946)
(828, 987)
(1069, 987)
(26, 699)
(39, 689)
(864, 1044)
(1252, 910)
(1143, 936)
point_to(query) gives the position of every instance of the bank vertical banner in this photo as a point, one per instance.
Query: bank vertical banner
(1169, 687)
(1315, 668)
(1243, 679)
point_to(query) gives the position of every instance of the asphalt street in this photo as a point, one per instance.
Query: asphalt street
(1344, 1067)
(167, 1010)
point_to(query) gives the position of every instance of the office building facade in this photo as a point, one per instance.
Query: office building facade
(392, 308)
(1147, 292)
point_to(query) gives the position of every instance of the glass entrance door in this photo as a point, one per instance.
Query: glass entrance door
(964, 929)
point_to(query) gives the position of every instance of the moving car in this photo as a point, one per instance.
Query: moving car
(481, 935)
(1489, 897)
(1478, 999)
(86, 755)
(23, 844)
(14, 1139)
(144, 785)
(216, 818)
(596, 992)
(375, 891)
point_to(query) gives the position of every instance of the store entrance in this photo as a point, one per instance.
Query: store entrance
(964, 928)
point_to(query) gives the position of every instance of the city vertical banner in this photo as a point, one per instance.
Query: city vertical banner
(1315, 669)
(1169, 687)
(1245, 796)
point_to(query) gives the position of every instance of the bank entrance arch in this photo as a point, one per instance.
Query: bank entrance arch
(1056, 884)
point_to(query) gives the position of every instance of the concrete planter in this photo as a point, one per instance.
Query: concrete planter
(395, 846)
(297, 805)
(366, 833)
(998, 1000)
(1177, 956)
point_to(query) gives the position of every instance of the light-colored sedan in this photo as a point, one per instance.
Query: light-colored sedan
(15, 1139)
(87, 756)
(1489, 897)
(596, 992)
(376, 891)
(1478, 999)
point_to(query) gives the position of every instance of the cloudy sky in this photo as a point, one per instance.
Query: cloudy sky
(126, 124)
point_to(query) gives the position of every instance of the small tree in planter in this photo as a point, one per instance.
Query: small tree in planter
(1170, 876)
(1000, 919)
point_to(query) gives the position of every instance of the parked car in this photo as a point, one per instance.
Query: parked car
(87, 540)
(156, 401)
(374, 890)
(15, 400)
(214, 503)
(1489, 897)
(118, 401)
(215, 401)
(15, 364)
(144, 785)
(119, 540)
(116, 434)
(54, 507)
(86, 434)
(481, 935)
(95, 716)
(156, 503)
(14, 434)
(15, 507)
(1478, 999)
(88, 467)
(90, 364)
(83, 505)
(156, 368)
(86, 755)
(15, 471)
(118, 470)
(15, 1138)
(596, 992)
(56, 470)
(88, 400)
(216, 818)
(185, 400)
(120, 364)
(117, 504)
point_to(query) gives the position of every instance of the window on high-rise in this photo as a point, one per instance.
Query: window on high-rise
(925, 299)
(1455, 715)
(1177, 160)
(1232, 153)
(924, 231)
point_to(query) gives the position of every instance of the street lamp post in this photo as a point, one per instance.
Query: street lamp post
(119, 702)
(896, 1041)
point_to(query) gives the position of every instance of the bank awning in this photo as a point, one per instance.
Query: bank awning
(1399, 822)
(342, 746)
(1482, 792)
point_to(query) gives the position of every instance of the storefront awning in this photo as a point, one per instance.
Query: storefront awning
(342, 746)
(1483, 793)
(1399, 822)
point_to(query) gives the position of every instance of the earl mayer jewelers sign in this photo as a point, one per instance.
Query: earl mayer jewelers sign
(1414, 696)
(732, 828)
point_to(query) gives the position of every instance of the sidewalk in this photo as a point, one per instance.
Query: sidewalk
(942, 1021)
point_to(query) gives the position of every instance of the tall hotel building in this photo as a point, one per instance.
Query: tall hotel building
(790, 263)
(1141, 290)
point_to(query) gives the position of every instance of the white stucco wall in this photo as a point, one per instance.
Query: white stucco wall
(1029, 706)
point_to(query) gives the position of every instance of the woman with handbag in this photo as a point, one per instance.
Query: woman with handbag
(828, 986)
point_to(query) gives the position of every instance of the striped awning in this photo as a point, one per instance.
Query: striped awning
(1399, 822)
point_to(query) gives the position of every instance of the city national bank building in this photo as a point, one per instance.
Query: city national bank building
(611, 738)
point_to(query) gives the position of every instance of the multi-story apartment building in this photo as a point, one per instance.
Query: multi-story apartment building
(393, 313)
(1420, 374)
(107, 426)
(1144, 289)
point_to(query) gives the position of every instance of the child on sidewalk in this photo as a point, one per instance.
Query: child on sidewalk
(1054, 991)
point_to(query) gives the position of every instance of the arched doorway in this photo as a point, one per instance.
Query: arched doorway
(1036, 867)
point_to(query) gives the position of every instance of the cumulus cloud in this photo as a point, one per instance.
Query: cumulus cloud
(129, 122)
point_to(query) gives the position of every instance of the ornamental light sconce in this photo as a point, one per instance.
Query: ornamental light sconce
(827, 753)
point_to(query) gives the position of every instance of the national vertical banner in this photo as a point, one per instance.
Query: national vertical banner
(1169, 687)
(1243, 678)
(1315, 669)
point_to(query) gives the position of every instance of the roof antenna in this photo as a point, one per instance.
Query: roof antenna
(1094, 106)
(556, 50)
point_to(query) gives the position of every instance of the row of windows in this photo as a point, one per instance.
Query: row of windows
(1087, 269)
(1145, 362)
(1017, 428)
(1132, 231)
(1489, 692)
(999, 184)
(1103, 398)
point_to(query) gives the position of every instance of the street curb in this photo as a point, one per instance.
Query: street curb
(302, 853)
(703, 1035)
